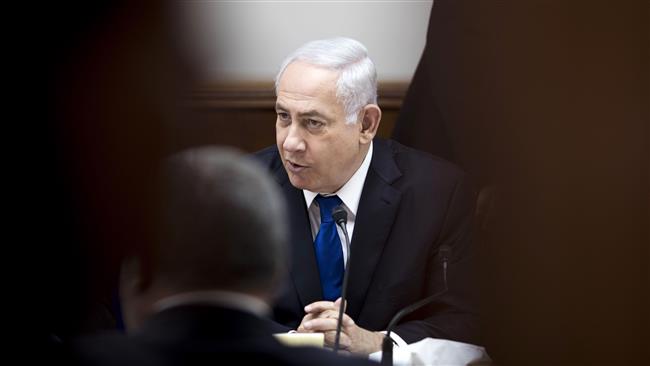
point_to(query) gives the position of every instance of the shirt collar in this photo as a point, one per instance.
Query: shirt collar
(350, 193)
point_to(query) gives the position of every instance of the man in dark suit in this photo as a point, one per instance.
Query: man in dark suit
(200, 295)
(402, 206)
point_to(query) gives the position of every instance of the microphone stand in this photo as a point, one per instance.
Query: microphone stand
(340, 215)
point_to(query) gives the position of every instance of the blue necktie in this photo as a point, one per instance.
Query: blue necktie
(327, 245)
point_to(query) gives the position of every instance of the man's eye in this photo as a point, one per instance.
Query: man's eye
(314, 124)
(283, 116)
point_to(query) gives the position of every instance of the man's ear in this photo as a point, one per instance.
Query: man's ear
(132, 280)
(369, 122)
(135, 293)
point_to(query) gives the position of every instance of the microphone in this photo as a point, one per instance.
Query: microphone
(387, 345)
(340, 216)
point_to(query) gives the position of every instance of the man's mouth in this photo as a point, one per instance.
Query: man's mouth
(294, 167)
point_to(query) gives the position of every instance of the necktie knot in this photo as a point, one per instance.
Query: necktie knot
(326, 204)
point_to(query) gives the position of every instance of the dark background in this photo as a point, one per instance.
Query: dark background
(545, 103)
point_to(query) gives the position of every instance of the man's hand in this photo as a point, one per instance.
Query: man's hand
(322, 317)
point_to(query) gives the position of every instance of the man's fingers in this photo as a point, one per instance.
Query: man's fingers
(318, 306)
(347, 321)
(302, 329)
(324, 324)
(327, 314)
(309, 316)
(337, 304)
(306, 318)
(320, 324)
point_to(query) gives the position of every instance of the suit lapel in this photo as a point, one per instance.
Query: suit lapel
(375, 216)
(304, 268)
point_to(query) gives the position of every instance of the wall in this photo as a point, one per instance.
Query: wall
(247, 40)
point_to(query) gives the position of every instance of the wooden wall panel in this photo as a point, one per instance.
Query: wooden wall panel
(243, 116)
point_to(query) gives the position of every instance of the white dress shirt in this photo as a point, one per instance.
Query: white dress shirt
(350, 194)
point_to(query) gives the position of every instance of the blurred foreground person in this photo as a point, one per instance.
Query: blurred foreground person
(200, 295)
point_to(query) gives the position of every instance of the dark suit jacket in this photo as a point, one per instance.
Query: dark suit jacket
(201, 335)
(411, 204)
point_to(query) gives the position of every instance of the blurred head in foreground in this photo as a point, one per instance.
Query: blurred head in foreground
(221, 229)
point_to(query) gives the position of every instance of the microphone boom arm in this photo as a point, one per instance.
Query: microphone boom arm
(387, 345)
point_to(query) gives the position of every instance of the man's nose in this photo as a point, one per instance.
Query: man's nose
(294, 141)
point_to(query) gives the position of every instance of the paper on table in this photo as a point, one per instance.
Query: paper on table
(301, 339)
(430, 351)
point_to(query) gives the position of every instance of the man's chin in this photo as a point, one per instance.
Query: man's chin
(298, 182)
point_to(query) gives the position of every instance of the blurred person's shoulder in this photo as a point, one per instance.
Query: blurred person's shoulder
(112, 349)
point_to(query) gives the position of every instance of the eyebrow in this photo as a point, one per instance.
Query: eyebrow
(309, 113)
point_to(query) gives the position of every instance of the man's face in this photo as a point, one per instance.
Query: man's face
(320, 152)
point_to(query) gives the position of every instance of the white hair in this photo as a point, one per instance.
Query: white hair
(357, 83)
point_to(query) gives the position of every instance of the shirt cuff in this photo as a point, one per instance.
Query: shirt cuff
(397, 340)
